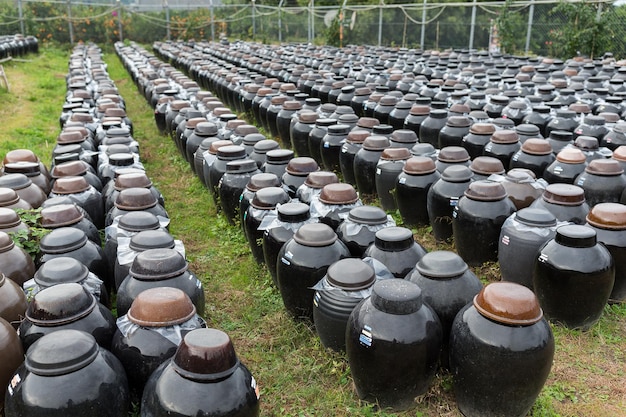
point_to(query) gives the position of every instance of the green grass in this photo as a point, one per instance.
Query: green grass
(297, 376)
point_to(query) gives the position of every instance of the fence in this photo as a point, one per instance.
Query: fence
(541, 27)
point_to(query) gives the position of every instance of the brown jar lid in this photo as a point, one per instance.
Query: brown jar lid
(308, 117)
(205, 355)
(262, 92)
(619, 153)
(245, 129)
(263, 180)
(564, 194)
(134, 179)
(571, 156)
(234, 124)
(6, 243)
(458, 121)
(292, 105)
(220, 111)
(536, 146)
(359, 136)
(460, 108)
(70, 185)
(8, 218)
(315, 234)
(605, 167)
(193, 122)
(302, 166)
(419, 165)
(483, 129)
(487, 165)
(115, 112)
(395, 154)
(338, 193)
(453, 154)
(580, 108)
(319, 179)
(135, 198)
(350, 274)
(17, 155)
(69, 169)
(419, 110)
(505, 136)
(610, 216)
(508, 303)
(68, 137)
(404, 136)
(486, 191)
(215, 146)
(176, 105)
(161, 307)
(367, 122)
(60, 215)
(8, 196)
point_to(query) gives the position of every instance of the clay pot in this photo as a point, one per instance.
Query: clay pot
(566, 202)
(603, 181)
(24, 188)
(443, 196)
(15, 263)
(535, 155)
(396, 249)
(69, 215)
(12, 355)
(13, 301)
(418, 175)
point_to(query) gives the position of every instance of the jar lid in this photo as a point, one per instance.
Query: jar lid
(216, 145)
(486, 191)
(231, 152)
(395, 154)
(70, 185)
(60, 270)
(483, 129)
(118, 131)
(293, 212)
(252, 138)
(350, 274)
(308, 117)
(60, 304)
(279, 155)
(604, 167)
(438, 113)
(161, 307)
(370, 215)
(382, 130)
(368, 122)
(487, 165)
(6, 243)
(580, 108)
(423, 149)
(263, 180)
(121, 159)
(205, 355)
(441, 264)
(338, 193)
(535, 217)
(30, 169)
(8, 218)
(535, 146)
(376, 143)
(396, 296)
(508, 303)
(61, 352)
(241, 166)
(319, 179)
(151, 239)
(576, 236)
(315, 235)
(269, 197)
(593, 120)
(262, 146)
(587, 143)
(394, 238)
(17, 155)
(458, 121)
(136, 221)
(457, 173)
(205, 129)
(15, 181)
(338, 129)
(564, 194)
(505, 136)
(302, 166)
(63, 240)
(611, 216)
(68, 169)
(292, 105)
(358, 136)
(571, 156)
(158, 264)
(404, 136)
(419, 165)
(66, 137)
(132, 179)
(561, 135)
(527, 129)
(245, 129)
(134, 199)
(453, 154)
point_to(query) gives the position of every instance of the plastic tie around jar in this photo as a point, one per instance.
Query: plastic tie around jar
(353, 228)
(307, 194)
(126, 255)
(271, 222)
(113, 230)
(380, 271)
(91, 283)
(319, 209)
(524, 228)
(172, 333)
(266, 216)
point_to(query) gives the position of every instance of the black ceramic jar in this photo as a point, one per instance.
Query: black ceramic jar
(566, 202)
(232, 184)
(443, 197)
(396, 249)
(503, 144)
(302, 262)
(389, 166)
(535, 155)
(359, 229)
(431, 126)
(66, 374)
(569, 163)
(262, 205)
(603, 181)
(204, 377)
(365, 162)
(418, 175)
(393, 340)
(12, 355)
(13, 301)
(353, 143)
(15, 263)
(501, 351)
(573, 277)
(477, 137)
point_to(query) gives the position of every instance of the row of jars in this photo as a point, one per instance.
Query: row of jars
(65, 327)
(307, 250)
(18, 45)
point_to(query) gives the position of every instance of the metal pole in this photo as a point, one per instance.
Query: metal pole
(167, 20)
(69, 21)
(531, 13)
(280, 21)
(380, 22)
(119, 20)
(19, 10)
(472, 26)
(212, 21)
(423, 34)
(253, 19)
(312, 20)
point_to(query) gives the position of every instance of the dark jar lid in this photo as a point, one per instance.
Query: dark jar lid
(121, 159)
(30, 169)
(136, 221)
(302, 166)
(458, 121)
(158, 264)
(350, 274)
(404, 136)
(241, 166)
(457, 173)
(394, 238)
(370, 215)
(535, 217)
(508, 303)
(69, 169)
(61, 352)
(487, 165)
(161, 307)
(262, 146)
(63, 240)
(293, 212)
(396, 296)
(319, 179)
(564, 194)
(269, 197)
(441, 264)
(486, 191)
(8, 196)
(604, 167)
(611, 216)
(60, 304)
(535, 146)
(338, 193)
(15, 181)
(133, 199)
(419, 165)
(205, 355)
(263, 180)
(151, 239)
(253, 138)
(59, 271)
(576, 236)
(70, 185)
(279, 156)
(315, 235)
(8, 218)
(231, 152)
(561, 135)
(587, 143)
(6, 243)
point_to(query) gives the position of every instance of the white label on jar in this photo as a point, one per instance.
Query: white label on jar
(365, 338)
(543, 258)
(326, 145)
(581, 181)
(454, 201)
(288, 255)
(285, 261)
(558, 169)
(316, 299)
(516, 157)
(488, 147)
(505, 240)
(377, 171)
(255, 387)
(402, 180)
